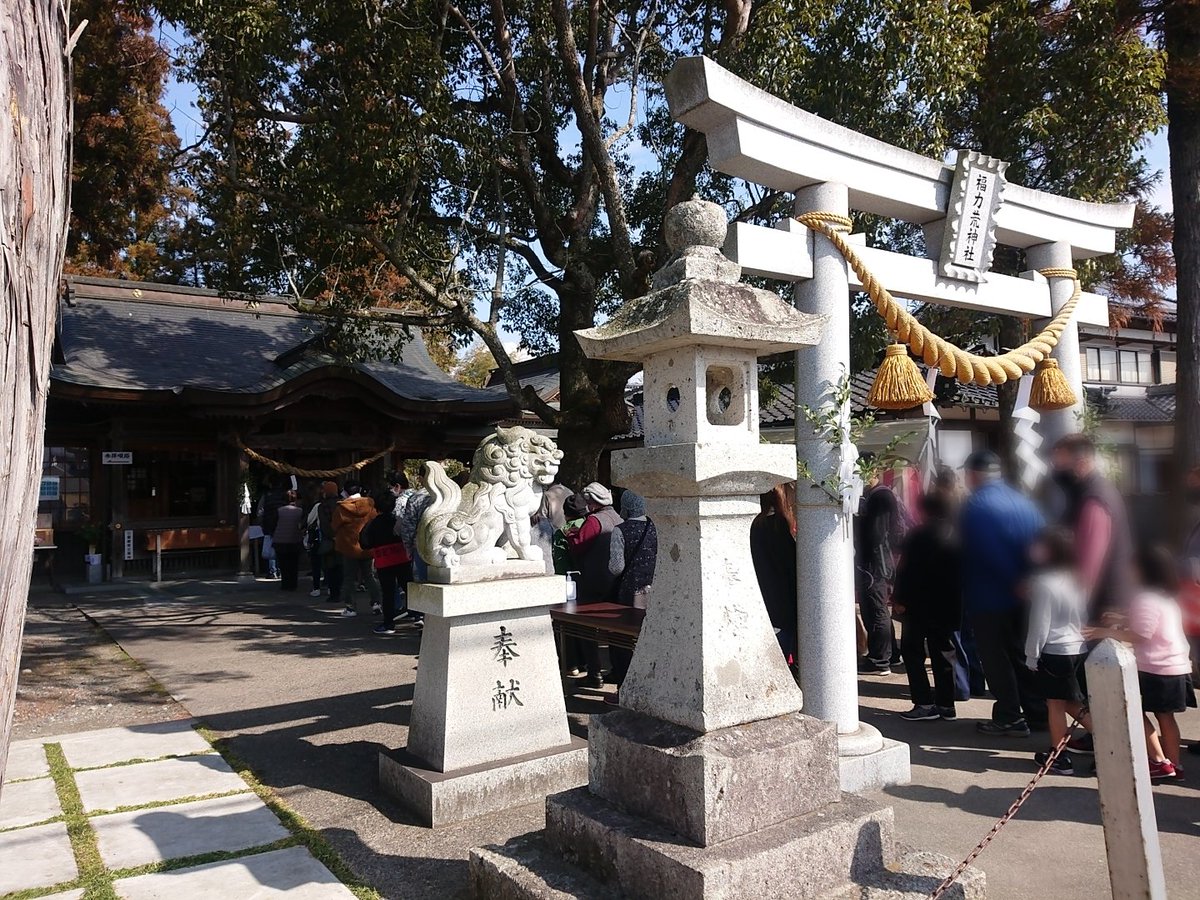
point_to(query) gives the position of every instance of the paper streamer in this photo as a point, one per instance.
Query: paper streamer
(1025, 419)
(848, 477)
(244, 509)
(929, 451)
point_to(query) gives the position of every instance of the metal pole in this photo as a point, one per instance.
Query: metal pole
(157, 557)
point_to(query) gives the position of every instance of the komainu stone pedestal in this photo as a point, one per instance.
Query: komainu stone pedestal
(753, 811)
(489, 723)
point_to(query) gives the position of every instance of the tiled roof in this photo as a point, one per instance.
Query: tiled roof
(1153, 406)
(131, 336)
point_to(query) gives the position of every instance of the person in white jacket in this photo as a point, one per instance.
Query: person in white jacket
(1055, 647)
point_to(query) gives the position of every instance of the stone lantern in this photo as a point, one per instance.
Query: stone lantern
(707, 657)
(708, 783)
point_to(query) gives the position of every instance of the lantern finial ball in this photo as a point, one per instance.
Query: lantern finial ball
(695, 223)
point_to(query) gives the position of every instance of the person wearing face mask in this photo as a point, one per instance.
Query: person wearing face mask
(1096, 515)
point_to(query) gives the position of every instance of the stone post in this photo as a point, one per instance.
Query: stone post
(1066, 421)
(1122, 767)
(828, 649)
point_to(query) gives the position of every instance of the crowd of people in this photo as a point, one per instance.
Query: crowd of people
(360, 541)
(997, 592)
(1004, 594)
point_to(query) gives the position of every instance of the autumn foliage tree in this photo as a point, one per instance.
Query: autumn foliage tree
(127, 205)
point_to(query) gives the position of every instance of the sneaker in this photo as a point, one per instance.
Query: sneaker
(866, 667)
(921, 714)
(349, 613)
(405, 616)
(314, 593)
(1162, 770)
(1084, 744)
(947, 713)
(383, 629)
(595, 681)
(1004, 729)
(361, 588)
(377, 609)
(574, 672)
(1064, 765)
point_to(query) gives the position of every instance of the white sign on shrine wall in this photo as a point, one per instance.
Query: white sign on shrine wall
(970, 236)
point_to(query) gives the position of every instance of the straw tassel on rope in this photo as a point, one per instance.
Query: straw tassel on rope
(899, 383)
(1051, 390)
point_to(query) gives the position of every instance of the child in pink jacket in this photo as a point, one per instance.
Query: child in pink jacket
(1154, 625)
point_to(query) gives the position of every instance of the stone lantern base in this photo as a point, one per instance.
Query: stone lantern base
(754, 811)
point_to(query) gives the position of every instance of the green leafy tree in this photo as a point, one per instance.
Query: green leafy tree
(127, 206)
(476, 366)
(480, 152)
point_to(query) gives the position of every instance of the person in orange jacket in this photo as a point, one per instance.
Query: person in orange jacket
(349, 518)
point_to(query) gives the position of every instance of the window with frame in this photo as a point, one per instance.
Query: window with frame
(72, 467)
(1114, 366)
(164, 483)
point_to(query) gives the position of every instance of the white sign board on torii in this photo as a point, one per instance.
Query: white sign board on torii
(760, 138)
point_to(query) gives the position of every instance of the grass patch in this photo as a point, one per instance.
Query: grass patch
(157, 804)
(147, 759)
(94, 877)
(201, 859)
(303, 833)
(48, 821)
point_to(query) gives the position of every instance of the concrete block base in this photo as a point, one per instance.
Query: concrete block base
(527, 869)
(873, 771)
(804, 858)
(442, 798)
(725, 783)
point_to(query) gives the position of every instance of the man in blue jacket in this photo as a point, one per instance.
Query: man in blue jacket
(999, 524)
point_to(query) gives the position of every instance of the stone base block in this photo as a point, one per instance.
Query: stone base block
(442, 798)
(873, 771)
(724, 784)
(804, 858)
(527, 869)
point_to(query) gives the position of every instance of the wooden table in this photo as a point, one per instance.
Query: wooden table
(598, 623)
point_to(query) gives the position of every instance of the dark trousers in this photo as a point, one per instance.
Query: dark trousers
(314, 561)
(331, 565)
(1000, 640)
(393, 581)
(288, 556)
(917, 638)
(877, 619)
(620, 659)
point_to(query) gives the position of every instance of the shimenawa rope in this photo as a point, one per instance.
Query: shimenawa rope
(953, 361)
(286, 469)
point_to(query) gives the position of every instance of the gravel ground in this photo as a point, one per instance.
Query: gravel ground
(74, 678)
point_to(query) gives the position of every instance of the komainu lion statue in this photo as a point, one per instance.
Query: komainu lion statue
(475, 525)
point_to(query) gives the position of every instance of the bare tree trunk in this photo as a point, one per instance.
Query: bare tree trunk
(1182, 40)
(35, 134)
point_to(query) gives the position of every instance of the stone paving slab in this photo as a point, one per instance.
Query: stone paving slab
(155, 782)
(44, 854)
(28, 802)
(114, 745)
(26, 759)
(294, 872)
(76, 894)
(170, 832)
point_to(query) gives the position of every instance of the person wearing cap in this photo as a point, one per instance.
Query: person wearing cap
(589, 548)
(999, 526)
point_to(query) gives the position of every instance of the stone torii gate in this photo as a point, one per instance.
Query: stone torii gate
(830, 169)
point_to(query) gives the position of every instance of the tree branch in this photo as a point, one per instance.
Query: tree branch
(593, 141)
